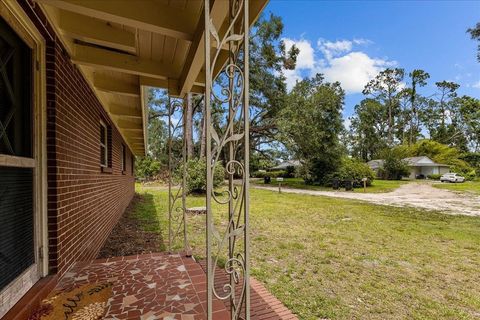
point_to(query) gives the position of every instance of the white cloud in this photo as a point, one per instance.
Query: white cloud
(476, 85)
(292, 76)
(353, 70)
(332, 49)
(337, 61)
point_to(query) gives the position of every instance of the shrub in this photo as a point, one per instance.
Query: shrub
(394, 168)
(196, 176)
(434, 176)
(353, 169)
(146, 167)
(276, 174)
(259, 174)
(290, 172)
(471, 175)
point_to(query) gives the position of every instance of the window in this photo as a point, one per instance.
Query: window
(124, 159)
(18, 165)
(103, 144)
(132, 164)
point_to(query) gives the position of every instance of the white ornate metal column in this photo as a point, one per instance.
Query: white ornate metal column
(177, 175)
(226, 87)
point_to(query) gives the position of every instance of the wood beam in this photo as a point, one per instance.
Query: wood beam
(114, 86)
(142, 14)
(194, 61)
(129, 124)
(124, 112)
(154, 82)
(101, 58)
(170, 84)
(192, 73)
(95, 31)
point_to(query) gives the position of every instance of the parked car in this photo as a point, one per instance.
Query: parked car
(452, 177)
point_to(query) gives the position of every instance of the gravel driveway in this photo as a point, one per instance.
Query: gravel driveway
(419, 195)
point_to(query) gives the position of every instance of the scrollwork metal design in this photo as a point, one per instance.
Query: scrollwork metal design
(177, 223)
(228, 91)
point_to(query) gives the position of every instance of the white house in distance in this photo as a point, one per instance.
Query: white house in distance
(418, 166)
(284, 165)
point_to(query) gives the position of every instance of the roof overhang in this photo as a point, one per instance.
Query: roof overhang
(123, 47)
(428, 165)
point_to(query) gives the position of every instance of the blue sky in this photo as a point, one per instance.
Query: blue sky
(351, 41)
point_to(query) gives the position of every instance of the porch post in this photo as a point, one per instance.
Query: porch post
(208, 160)
(226, 87)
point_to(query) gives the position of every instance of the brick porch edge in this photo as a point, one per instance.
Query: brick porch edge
(264, 305)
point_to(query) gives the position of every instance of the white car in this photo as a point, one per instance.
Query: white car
(452, 177)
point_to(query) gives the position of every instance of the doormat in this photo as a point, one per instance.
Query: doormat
(88, 302)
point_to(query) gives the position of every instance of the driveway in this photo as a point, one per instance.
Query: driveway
(418, 195)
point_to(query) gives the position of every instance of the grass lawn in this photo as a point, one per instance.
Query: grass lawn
(343, 259)
(467, 186)
(377, 186)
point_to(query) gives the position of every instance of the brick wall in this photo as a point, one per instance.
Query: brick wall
(84, 203)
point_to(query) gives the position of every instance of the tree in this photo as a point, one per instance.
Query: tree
(268, 59)
(418, 78)
(368, 129)
(439, 153)
(442, 116)
(146, 167)
(475, 34)
(394, 167)
(385, 88)
(311, 123)
(469, 109)
(157, 139)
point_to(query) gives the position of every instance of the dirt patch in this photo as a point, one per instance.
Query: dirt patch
(418, 195)
(128, 238)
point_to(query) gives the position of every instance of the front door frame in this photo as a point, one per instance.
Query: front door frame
(15, 16)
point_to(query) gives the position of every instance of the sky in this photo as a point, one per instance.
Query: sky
(351, 41)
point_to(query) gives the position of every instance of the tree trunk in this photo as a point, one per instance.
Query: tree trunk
(202, 135)
(188, 129)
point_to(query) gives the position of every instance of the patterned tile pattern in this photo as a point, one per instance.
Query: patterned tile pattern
(170, 287)
(147, 287)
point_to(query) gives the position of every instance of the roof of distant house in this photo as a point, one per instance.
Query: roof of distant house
(376, 164)
(422, 161)
(284, 165)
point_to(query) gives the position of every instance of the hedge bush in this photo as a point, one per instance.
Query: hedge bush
(434, 176)
(196, 176)
(353, 169)
(259, 174)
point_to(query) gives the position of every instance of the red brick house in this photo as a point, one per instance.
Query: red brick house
(73, 117)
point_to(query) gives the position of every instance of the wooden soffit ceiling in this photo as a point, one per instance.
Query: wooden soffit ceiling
(125, 46)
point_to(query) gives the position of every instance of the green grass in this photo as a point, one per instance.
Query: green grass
(467, 186)
(343, 259)
(378, 186)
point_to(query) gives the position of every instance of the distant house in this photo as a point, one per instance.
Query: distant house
(284, 165)
(418, 166)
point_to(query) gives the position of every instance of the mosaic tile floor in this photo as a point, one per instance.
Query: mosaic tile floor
(148, 287)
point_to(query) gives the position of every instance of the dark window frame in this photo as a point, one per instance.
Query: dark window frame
(123, 158)
(103, 144)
